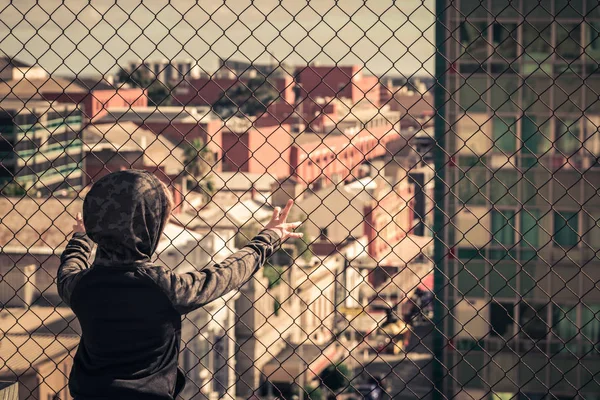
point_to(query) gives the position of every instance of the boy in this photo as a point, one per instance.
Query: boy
(130, 309)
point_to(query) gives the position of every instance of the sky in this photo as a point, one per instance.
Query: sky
(96, 36)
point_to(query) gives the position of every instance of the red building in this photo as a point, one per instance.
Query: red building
(257, 150)
(339, 82)
(207, 91)
(97, 97)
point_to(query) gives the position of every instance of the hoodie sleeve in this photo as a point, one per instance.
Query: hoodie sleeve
(73, 261)
(193, 290)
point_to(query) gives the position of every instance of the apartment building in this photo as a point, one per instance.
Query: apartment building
(40, 146)
(520, 126)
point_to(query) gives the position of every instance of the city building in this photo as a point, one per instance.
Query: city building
(92, 96)
(167, 71)
(347, 82)
(13, 69)
(208, 333)
(40, 147)
(179, 125)
(96, 96)
(38, 345)
(232, 187)
(519, 216)
(111, 147)
(33, 234)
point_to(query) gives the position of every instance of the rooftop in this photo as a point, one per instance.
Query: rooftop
(41, 225)
(127, 136)
(13, 62)
(234, 216)
(243, 181)
(20, 353)
(159, 114)
(32, 88)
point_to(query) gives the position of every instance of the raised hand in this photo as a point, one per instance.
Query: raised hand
(78, 227)
(280, 225)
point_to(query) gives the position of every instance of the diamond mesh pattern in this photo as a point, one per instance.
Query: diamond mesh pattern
(443, 156)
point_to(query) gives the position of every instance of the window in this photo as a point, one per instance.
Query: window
(504, 39)
(471, 186)
(504, 134)
(503, 231)
(592, 8)
(537, 47)
(473, 94)
(533, 320)
(471, 279)
(529, 228)
(564, 328)
(569, 8)
(473, 40)
(502, 319)
(567, 136)
(592, 45)
(504, 188)
(590, 328)
(503, 279)
(535, 134)
(566, 228)
(536, 95)
(567, 41)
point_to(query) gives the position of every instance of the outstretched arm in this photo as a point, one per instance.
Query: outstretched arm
(192, 290)
(73, 261)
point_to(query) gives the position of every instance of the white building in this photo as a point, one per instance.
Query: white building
(13, 69)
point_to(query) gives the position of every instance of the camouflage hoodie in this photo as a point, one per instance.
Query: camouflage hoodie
(130, 309)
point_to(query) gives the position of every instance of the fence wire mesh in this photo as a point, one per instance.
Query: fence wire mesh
(442, 155)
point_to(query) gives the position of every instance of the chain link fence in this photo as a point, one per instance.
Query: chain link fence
(443, 156)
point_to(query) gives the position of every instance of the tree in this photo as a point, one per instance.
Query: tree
(198, 160)
(273, 274)
(12, 189)
(302, 245)
(136, 78)
(335, 377)
(251, 98)
(313, 393)
(158, 93)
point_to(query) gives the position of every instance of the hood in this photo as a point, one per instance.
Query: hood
(124, 213)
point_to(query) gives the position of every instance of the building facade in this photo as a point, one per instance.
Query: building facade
(40, 146)
(519, 121)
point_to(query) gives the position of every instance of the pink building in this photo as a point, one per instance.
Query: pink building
(97, 98)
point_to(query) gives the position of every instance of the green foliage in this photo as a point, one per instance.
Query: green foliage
(273, 274)
(335, 377)
(276, 306)
(198, 164)
(302, 247)
(12, 189)
(137, 78)
(313, 393)
(250, 99)
(158, 93)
